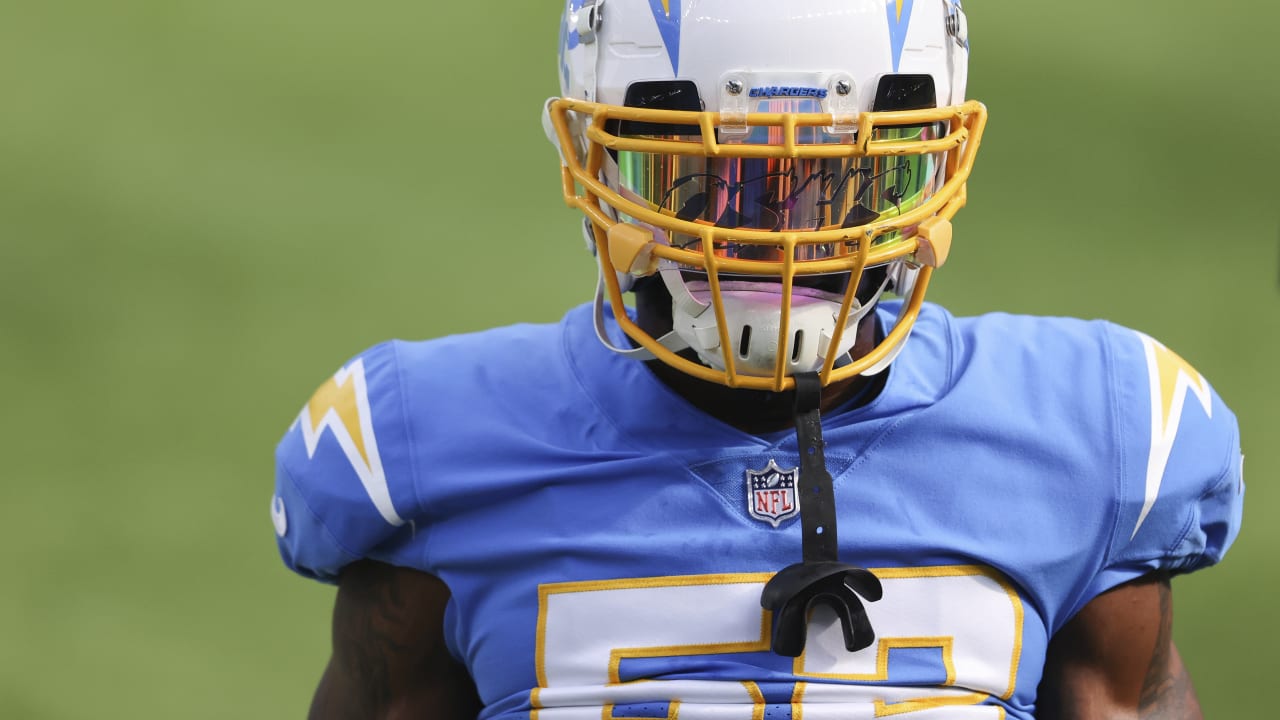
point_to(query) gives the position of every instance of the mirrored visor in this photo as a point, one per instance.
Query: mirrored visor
(780, 195)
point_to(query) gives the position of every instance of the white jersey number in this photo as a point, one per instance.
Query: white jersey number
(970, 614)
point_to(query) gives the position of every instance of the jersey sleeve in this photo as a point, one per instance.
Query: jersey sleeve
(345, 486)
(1181, 489)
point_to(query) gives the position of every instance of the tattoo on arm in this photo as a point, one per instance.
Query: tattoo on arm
(366, 643)
(1167, 692)
(389, 657)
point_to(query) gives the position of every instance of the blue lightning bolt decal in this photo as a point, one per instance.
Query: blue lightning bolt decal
(667, 14)
(1172, 380)
(341, 406)
(899, 12)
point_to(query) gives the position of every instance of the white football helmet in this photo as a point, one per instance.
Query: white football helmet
(780, 164)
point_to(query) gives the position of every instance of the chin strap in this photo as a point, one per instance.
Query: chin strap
(904, 284)
(820, 580)
(670, 341)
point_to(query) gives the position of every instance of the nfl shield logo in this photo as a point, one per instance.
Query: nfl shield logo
(771, 494)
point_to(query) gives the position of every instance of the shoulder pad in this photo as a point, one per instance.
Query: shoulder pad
(344, 472)
(1182, 487)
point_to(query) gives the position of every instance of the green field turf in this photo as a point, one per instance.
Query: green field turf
(205, 208)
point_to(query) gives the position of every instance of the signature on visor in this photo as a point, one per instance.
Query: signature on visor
(783, 200)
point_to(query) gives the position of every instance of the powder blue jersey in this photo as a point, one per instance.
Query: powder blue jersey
(606, 546)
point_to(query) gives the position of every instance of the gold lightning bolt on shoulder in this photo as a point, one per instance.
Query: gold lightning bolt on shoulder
(341, 406)
(1172, 379)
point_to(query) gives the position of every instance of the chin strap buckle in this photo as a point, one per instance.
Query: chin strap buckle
(821, 579)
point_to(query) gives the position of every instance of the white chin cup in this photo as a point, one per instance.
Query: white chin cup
(753, 313)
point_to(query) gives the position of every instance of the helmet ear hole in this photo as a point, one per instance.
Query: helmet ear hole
(744, 345)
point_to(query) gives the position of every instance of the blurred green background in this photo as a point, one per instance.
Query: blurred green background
(205, 208)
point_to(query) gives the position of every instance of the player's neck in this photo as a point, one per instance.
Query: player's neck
(755, 411)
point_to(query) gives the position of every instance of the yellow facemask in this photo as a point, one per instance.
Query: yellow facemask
(781, 195)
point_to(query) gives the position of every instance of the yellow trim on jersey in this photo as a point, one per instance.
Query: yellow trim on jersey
(616, 656)
(882, 709)
(945, 644)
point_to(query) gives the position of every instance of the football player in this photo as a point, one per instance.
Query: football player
(750, 495)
